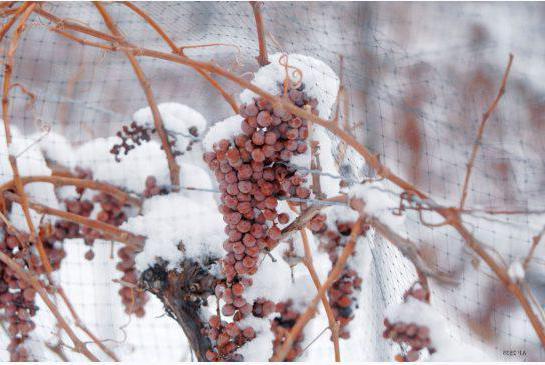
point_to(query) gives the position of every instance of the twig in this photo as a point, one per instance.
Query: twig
(67, 24)
(480, 132)
(306, 215)
(12, 20)
(35, 283)
(57, 350)
(309, 312)
(262, 59)
(5, 115)
(535, 242)
(83, 42)
(118, 194)
(173, 166)
(111, 232)
(313, 341)
(333, 325)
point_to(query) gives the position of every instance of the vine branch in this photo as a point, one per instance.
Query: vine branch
(262, 59)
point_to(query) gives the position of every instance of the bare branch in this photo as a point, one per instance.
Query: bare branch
(480, 132)
(262, 59)
(118, 194)
(535, 242)
(111, 232)
(333, 325)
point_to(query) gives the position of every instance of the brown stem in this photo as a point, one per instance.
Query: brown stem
(535, 242)
(173, 166)
(262, 59)
(35, 283)
(84, 42)
(111, 232)
(57, 350)
(306, 215)
(12, 20)
(67, 24)
(480, 132)
(118, 194)
(333, 325)
(182, 292)
(9, 64)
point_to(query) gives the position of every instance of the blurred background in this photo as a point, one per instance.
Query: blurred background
(419, 77)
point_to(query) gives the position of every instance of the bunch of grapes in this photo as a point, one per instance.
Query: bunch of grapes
(263, 308)
(152, 189)
(341, 294)
(415, 336)
(281, 327)
(17, 299)
(227, 337)
(253, 172)
(133, 299)
(111, 211)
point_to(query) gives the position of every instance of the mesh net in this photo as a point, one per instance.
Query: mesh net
(418, 79)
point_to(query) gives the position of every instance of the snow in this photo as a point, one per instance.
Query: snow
(260, 348)
(57, 148)
(378, 202)
(338, 213)
(167, 220)
(133, 169)
(320, 80)
(225, 129)
(277, 281)
(177, 119)
(30, 162)
(516, 271)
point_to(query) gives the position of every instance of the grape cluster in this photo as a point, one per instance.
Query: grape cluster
(263, 308)
(111, 211)
(152, 189)
(134, 300)
(65, 229)
(134, 133)
(415, 336)
(341, 294)
(17, 299)
(227, 337)
(252, 176)
(281, 327)
(80, 206)
(253, 172)
(235, 304)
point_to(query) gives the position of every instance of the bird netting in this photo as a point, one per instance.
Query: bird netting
(453, 184)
